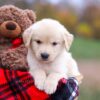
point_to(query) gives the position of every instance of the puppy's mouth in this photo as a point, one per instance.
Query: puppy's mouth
(44, 61)
(44, 58)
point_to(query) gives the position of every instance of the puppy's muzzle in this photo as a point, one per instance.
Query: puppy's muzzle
(44, 56)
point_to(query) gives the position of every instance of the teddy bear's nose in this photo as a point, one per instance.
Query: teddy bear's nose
(11, 26)
(10, 29)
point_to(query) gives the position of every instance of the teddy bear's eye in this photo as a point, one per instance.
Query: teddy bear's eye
(54, 43)
(38, 42)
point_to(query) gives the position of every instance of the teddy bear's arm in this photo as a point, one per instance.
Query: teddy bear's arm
(14, 58)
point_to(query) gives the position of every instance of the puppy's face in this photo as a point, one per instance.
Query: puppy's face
(47, 39)
(47, 44)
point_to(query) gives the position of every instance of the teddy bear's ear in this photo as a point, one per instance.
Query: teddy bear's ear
(68, 39)
(31, 15)
(27, 35)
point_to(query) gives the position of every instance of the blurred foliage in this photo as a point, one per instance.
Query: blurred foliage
(65, 17)
(85, 30)
(91, 15)
(85, 48)
(87, 24)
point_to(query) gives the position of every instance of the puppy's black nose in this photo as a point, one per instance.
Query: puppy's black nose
(44, 56)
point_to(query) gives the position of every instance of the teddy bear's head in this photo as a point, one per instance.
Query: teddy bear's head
(13, 21)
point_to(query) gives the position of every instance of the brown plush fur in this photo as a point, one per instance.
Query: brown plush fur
(23, 17)
(14, 58)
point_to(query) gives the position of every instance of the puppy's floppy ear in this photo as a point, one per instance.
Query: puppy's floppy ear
(68, 39)
(27, 36)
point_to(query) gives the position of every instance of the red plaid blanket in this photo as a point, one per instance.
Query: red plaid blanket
(18, 85)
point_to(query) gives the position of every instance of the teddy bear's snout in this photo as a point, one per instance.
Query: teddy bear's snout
(10, 29)
(11, 26)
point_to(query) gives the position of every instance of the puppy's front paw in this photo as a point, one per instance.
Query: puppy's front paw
(39, 83)
(50, 86)
(39, 78)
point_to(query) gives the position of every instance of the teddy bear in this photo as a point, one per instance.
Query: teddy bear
(16, 83)
(13, 21)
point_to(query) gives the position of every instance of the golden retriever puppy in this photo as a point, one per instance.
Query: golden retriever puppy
(48, 43)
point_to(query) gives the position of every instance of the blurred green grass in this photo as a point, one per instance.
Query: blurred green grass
(83, 48)
(89, 94)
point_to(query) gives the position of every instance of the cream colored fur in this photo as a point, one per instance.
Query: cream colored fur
(42, 37)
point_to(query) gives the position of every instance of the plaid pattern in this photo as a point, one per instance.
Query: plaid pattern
(69, 90)
(73, 88)
(18, 85)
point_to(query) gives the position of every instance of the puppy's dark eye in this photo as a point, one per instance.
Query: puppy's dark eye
(54, 43)
(38, 41)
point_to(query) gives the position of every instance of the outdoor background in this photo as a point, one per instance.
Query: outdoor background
(81, 18)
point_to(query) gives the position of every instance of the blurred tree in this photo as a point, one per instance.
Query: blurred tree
(96, 26)
(91, 15)
(19, 3)
(91, 12)
(45, 11)
(85, 30)
(69, 19)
